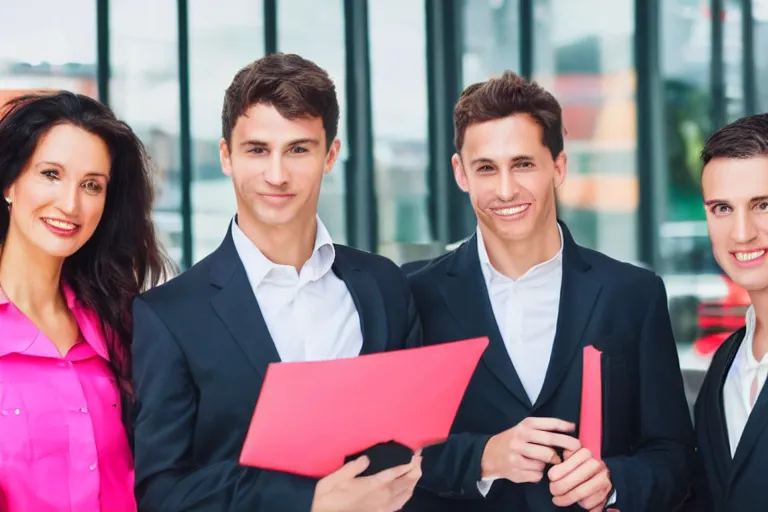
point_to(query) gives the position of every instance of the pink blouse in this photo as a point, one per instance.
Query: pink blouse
(63, 447)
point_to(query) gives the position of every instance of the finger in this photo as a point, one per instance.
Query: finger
(550, 424)
(389, 475)
(596, 500)
(554, 440)
(348, 471)
(526, 476)
(567, 454)
(540, 453)
(399, 500)
(407, 481)
(527, 464)
(565, 487)
(560, 470)
(595, 485)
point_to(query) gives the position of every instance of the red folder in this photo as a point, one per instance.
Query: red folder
(310, 416)
(591, 421)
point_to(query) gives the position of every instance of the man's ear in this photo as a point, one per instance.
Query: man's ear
(459, 174)
(225, 157)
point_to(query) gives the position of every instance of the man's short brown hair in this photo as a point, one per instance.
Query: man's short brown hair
(296, 87)
(505, 96)
(744, 138)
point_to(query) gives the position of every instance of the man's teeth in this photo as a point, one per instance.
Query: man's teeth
(60, 224)
(749, 256)
(511, 211)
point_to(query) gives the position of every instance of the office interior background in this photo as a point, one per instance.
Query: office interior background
(642, 84)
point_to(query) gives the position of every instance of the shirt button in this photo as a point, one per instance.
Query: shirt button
(92, 467)
(84, 410)
(17, 412)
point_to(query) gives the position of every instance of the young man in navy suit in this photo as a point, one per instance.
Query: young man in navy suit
(277, 289)
(541, 298)
(731, 410)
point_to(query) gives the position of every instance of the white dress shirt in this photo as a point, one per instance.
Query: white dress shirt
(526, 311)
(743, 384)
(310, 314)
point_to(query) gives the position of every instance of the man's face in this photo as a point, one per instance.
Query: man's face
(510, 177)
(276, 165)
(736, 200)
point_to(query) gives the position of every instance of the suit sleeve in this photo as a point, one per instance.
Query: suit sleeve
(658, 475)
(452, 468)
(167, 477)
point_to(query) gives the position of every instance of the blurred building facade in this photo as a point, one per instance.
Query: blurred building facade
(642, 84)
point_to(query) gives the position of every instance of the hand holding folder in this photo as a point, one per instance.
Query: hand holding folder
(590, 431)
(311, 417)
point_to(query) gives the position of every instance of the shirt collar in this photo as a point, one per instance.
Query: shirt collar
(23, 333)
(748, 355)
(543, 269)
(257, 266)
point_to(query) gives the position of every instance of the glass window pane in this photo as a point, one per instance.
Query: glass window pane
(491, 38)
(57, 51)
(315, 30)
(400, 124)
(144, 91)
(219, 46)
(760, 21)
(733, 60)
(589, 67)
(685, 255)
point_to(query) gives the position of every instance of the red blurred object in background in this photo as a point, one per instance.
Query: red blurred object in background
(719, 319)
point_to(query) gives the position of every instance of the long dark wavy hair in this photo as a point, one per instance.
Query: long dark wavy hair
(122, 258)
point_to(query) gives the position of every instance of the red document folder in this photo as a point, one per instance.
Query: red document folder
(591, 421)
(310, 416)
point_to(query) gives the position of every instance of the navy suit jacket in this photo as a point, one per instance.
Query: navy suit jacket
(648, 441)
(726, 482)
(201, 348)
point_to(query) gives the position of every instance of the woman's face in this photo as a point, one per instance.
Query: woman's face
(58, 199)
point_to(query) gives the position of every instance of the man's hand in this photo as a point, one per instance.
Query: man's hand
(521, 453)
(387, 491)
(580, 479)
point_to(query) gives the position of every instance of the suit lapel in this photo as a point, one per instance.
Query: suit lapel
(466, 296)
(578, 295)
(716, 424)
(238, 308)
(756, 424)
(368, 300)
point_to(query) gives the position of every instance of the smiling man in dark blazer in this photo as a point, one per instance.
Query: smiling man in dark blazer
(523, 281)
(277, 289)
(731, 410)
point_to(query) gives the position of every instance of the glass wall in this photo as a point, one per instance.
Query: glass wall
(491, 38)
(686, 263)
(57, 52)
(220, 44)
(760, 24)
(583, 52)
(298, 31)
(589, 67)
(399, 106)
(144, 92)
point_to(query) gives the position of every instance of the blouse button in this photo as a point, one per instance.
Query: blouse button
(93, 467)
(17, 412)
(84, 410)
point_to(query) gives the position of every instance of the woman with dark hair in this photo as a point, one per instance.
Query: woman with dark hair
(77, 244)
